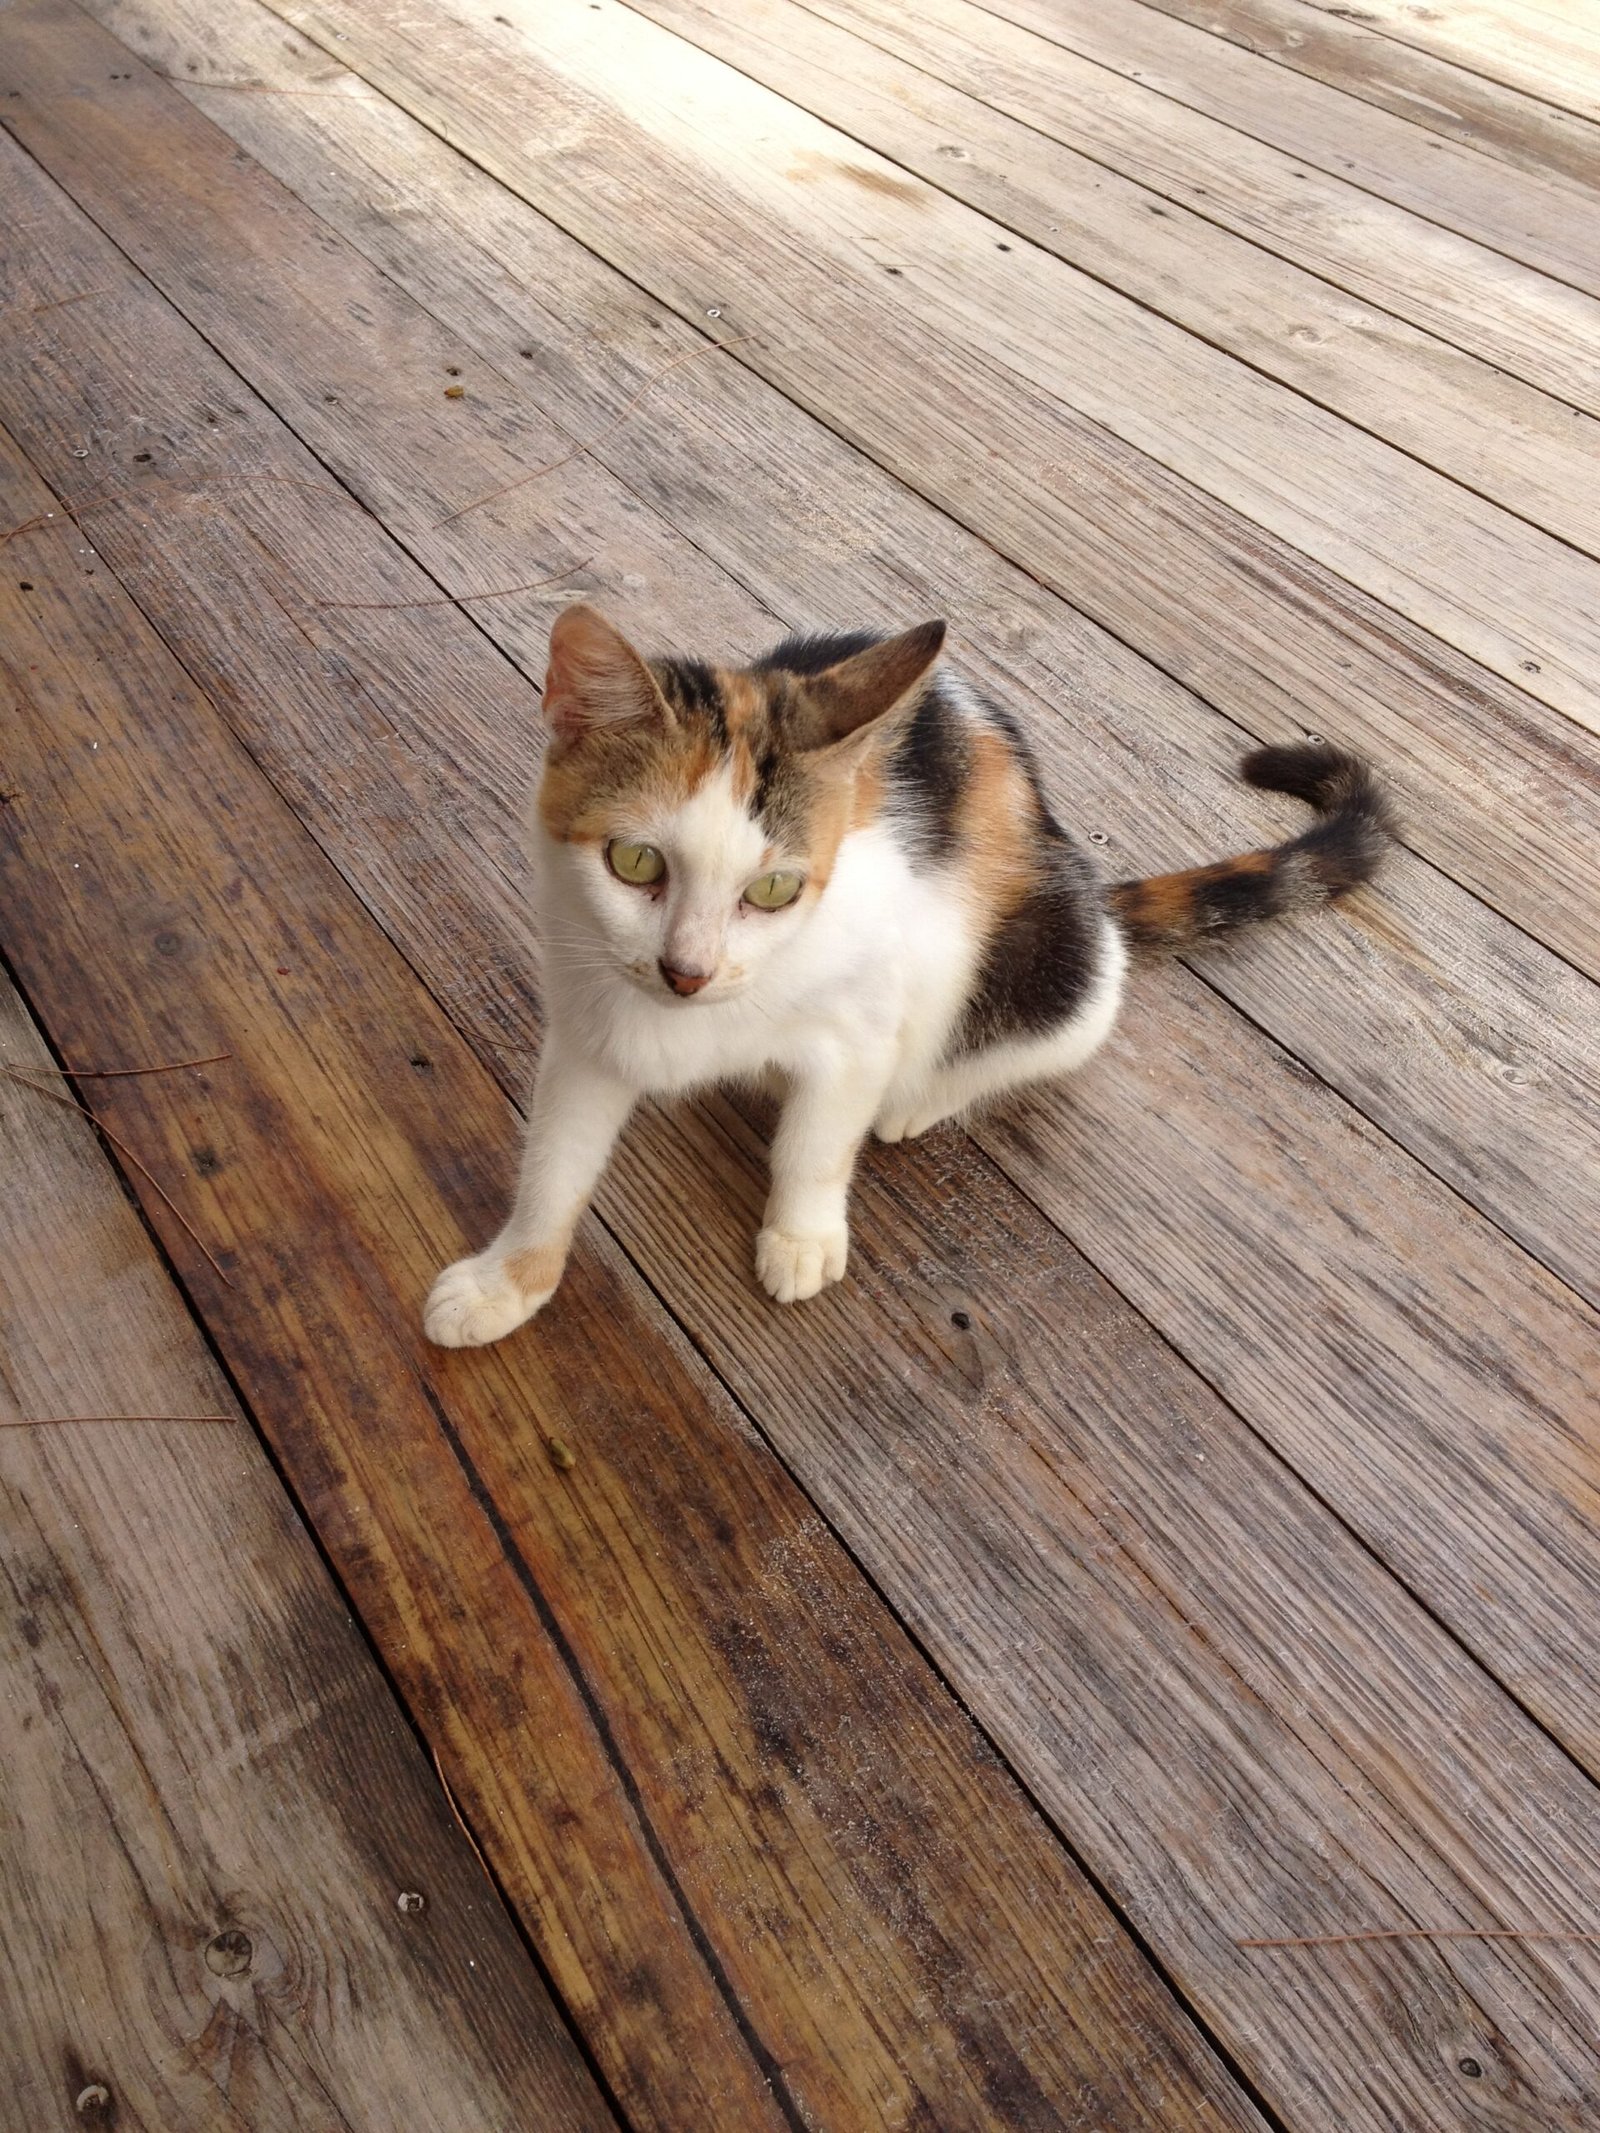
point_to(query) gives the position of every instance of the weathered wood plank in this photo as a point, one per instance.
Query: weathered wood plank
(210, 1801)
(1550, 52)
(1267, 1808)
(1239, 1784)
(1458, 414)
(1330, 1396)
(1497, 588)
(1542, 221)
(1501, 1043)
(1210, 229)
(1241, 618)
(774, 1870)
(1342, 52)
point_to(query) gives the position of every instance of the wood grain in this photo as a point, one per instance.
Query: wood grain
(1425, 91)
(1331, 1400)
(1221, 235)
(1496, 588)
(1542, 221)
(1221, 606)
(1549, 52)
(769, 1863)
(1501, 1042)
(925, 1435)
(211, 1802)
(1172, 1750)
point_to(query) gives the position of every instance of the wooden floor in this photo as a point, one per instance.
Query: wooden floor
(1181, 1531)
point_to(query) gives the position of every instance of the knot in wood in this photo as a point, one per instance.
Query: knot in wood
(229, 1954)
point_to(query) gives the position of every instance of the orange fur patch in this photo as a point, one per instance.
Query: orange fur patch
(537, 1270)
(997, 828)
(584, 788)
(1170, 909)
(867, 794)
(1160, 909)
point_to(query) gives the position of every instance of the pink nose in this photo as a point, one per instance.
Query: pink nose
(684, 982)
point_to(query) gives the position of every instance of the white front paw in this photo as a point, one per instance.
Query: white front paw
(904, 1125)
(476, 1301)
(793, 1266)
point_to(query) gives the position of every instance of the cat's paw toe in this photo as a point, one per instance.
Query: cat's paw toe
(475, 1302)
(793, 1267)
(903, 1125)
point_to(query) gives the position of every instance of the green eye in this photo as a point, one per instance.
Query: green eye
(640, 864)
(770, 892)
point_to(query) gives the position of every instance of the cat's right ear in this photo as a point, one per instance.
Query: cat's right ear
(596, 680)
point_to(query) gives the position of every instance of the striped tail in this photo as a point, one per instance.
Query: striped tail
(1337, 853)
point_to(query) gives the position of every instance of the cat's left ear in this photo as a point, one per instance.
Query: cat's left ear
(854, 696)
(596, 680)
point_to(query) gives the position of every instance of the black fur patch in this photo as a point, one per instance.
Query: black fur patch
(691, 688)
(806, 655)
(928, 771)
(1039, 964)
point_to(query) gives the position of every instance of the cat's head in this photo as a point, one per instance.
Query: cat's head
(697, 811)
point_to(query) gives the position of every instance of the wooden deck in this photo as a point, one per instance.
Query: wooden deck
(1182, 1528)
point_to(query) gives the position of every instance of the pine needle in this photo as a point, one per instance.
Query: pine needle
(254, 88)
(169, 1066)
(60, 1421)
(461, 1820)
(503, 592)
(57, 1096)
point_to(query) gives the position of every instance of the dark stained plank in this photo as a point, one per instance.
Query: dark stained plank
(210, 1803)
(1542, 220)
(1221, 606)
(776, 1875)
(1339, 50)
(1127, 1643)
(447, 902)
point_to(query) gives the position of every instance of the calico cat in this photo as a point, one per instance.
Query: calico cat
(835, 869)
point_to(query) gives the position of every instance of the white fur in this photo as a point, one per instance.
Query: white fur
(850, 996)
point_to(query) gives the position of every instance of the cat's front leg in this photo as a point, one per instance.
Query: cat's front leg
(805, 1238)
(578, 1109)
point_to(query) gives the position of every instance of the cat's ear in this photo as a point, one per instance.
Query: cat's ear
(853, 696)
(596, 680)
